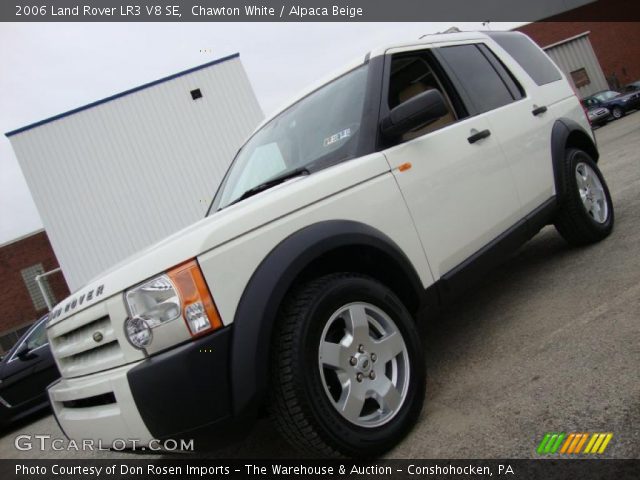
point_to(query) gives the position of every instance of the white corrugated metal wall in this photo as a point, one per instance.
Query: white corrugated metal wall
(576, 53)
(114, 178)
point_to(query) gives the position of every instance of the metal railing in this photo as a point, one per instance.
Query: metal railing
(45, 291)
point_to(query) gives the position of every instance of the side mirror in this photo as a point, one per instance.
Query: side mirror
(421, 110)
(24, 352)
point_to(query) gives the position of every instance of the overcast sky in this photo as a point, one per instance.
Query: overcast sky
(48, 68)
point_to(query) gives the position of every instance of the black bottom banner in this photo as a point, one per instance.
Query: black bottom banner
(321, 469)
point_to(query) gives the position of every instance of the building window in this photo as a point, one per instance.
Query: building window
(580, 78)
(196, 94)
(29, 276)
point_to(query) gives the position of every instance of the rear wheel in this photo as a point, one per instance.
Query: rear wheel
(586, 213)
(348, 371)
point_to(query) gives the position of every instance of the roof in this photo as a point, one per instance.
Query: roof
(121, 94)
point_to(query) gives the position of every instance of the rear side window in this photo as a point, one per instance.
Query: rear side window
(484, 86)
(535, 62)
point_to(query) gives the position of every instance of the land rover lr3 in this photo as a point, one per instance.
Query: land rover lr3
(374, 196)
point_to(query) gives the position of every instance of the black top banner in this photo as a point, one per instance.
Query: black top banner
(316, 10)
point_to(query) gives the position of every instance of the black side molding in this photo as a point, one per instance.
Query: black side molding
(567, 132)
(475, 267)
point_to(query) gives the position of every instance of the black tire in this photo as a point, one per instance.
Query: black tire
(617, 113)
(299, 403)
(576, 225)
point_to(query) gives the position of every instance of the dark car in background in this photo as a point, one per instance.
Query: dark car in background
(598, 116)
(617, 103)
(25, 372)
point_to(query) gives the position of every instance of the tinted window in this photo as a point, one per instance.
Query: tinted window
(590, 102)
(38, 336)
(516, 90)
(484, 87)
(411, 75)
(531, 58)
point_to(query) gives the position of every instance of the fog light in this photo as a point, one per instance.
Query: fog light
(138, 332)
(197, 317)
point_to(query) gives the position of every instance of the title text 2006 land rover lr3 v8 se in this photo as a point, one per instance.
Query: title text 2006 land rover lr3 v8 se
(375, 196)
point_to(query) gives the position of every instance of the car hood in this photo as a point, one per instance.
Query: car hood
(220, 228)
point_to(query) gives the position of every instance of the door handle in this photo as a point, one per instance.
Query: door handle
(478, 135)
(539, 110)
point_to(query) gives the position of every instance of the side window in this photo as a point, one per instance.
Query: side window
(416, 72)
(535, 62)
(516, 90)
(590, 102)
(38, 337)
(476, 71)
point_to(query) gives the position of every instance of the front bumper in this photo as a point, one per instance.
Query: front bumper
(166, 395)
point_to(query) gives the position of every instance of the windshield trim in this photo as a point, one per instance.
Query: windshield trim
(215, 200)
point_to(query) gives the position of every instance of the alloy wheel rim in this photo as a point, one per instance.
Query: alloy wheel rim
(592, 193)
(364, 364)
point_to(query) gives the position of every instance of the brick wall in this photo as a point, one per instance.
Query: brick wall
(17, 307)
(616, 44)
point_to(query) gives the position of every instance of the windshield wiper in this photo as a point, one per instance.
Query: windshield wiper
(272, 182)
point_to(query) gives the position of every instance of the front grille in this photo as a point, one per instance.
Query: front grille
(86, 343)
(96, 401)
(81, 338)
(105, 353)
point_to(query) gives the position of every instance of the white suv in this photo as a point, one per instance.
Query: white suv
(377, 195)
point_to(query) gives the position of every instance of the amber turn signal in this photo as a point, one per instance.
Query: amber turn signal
(198, 309)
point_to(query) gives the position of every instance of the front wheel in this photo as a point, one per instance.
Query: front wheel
(617, 113)
(348, 370)
(586, 212)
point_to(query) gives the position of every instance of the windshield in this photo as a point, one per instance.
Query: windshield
(318, 131)
(604, 96)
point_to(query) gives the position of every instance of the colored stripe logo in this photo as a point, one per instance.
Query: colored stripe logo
(574, 443)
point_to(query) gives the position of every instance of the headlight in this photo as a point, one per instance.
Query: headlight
(180, 292)
(155, 301)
